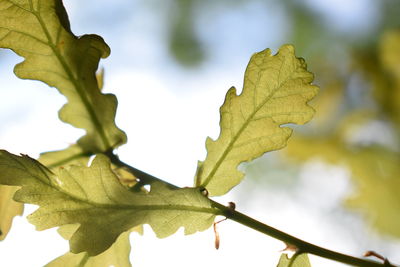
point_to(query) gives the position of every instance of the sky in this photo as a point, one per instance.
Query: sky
(167, 111)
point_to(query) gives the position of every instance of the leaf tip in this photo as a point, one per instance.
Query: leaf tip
(98, 43)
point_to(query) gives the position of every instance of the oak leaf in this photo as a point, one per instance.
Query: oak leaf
(94, 198)
(275, 92)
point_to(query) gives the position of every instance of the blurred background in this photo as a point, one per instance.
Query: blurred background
(337, 184)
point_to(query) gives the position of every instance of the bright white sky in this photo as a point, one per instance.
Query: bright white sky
(167, 112)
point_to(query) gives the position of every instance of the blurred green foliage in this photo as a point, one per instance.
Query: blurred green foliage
(307, 28)
(361, 111)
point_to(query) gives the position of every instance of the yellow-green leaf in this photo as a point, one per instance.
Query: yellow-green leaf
(74, 154)
(94, 198)
(39, 32)
(8, 209)
(275, 92)
(117, 255)
(295, 261)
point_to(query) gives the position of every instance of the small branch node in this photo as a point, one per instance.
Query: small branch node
(204, 191)
(371, 253)
(291, 248)
(231, 205)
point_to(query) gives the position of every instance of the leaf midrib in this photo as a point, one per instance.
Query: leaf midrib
(244, 126)
(53, 186)
(67, 159)
(129, 206)
(159, 207)
(76, 82)
(75, 198)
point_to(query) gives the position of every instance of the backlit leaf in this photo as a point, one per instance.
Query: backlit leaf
(295, 261)
(8, 209)
(74, 154)
(117, 255)
(39, 32)
(275, 92)
(94, 198)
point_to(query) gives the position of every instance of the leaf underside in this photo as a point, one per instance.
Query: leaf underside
(295, 261)
(116, 255)
(8, 209)
(39, 32)
(275, 92)
(74, 154)
(95, 199)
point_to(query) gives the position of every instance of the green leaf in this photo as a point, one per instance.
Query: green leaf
(74, 154)
(39, 32)
(94, 198)
(275, 92)
(8, 209)
(117, 255)
(295, 261)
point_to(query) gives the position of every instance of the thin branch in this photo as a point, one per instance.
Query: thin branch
(141, 175)
(245, 220)
(301, 245)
